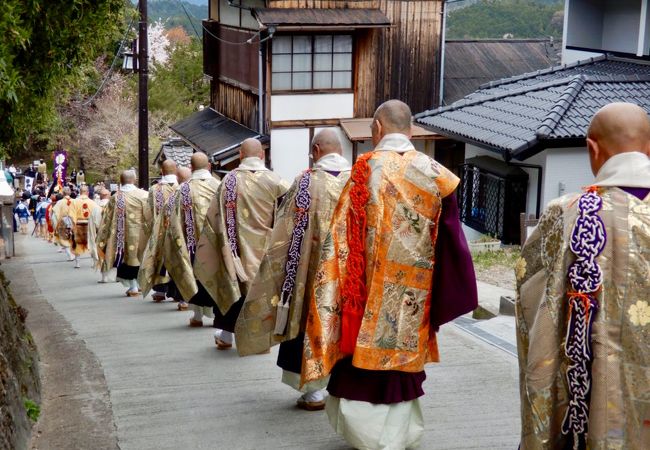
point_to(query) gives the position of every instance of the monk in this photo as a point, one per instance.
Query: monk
(94, 222)
(185, 225)
(275, 308)
(236, 235)
(120, 232)
(63, 223)
(80, 211)
(394, 266)
(49, 217)
(583, 293)
(150, 274)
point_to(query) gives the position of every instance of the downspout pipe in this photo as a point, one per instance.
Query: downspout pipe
(540, 172)
(260, 92)
(443, 37)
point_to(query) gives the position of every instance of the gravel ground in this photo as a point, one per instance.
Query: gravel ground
(497, 268)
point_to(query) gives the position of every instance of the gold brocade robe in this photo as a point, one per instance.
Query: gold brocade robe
(256, 323)
(154, 233)
(94, 222)
(402, 220)
(61, 211)
(619, 414)
(80, 211)
(136, 202)
(179, 266)
(257, 200)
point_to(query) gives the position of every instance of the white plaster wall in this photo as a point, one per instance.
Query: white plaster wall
(312, 107)
(621, 21)
(289, 151)
(569, 167)
(570, 56)
(345, 142)
(584, 24)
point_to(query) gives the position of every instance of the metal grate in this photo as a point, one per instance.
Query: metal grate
(491, 204)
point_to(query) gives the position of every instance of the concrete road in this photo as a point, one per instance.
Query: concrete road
(170, 388)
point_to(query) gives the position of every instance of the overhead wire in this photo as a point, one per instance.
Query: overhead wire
(109, 73)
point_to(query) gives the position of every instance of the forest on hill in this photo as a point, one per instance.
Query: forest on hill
(171, 14)
(518, 19)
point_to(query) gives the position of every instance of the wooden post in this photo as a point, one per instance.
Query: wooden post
(143, 109)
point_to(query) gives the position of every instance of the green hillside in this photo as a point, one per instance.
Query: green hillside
(518, 19)
(172, 15)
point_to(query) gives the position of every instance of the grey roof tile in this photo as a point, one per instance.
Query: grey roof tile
(519, 115)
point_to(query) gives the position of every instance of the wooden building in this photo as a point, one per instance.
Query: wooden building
(286, 69)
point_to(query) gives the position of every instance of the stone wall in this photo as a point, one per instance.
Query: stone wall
(19, 379)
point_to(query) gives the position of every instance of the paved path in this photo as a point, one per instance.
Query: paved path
(169, 387)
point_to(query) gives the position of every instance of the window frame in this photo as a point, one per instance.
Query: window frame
(313, 90)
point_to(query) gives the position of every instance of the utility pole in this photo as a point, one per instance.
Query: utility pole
(143, 109)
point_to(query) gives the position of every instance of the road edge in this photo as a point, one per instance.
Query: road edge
(76, 410)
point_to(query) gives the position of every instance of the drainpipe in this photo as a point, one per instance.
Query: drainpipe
(540, 171)
(443, 37)
(260, 93)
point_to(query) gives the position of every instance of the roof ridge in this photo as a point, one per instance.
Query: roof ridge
(561, 106)
(540, 40)
(524, 90)
(537, 73)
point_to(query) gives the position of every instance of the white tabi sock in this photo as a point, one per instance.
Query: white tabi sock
(225, 336)
(76, 262)
(133, 285)
(198, 313)
(68, 253)
(314, 396)
(105, 277)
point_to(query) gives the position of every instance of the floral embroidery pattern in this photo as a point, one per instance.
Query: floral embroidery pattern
(585, 277)
(639, 313)
(520, 269)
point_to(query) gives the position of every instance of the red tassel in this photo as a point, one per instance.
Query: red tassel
(354, 294)
(350, 326)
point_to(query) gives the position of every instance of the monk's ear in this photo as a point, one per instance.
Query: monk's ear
(595, 154)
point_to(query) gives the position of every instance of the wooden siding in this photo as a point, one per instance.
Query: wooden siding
(235, 103)
(398, 62)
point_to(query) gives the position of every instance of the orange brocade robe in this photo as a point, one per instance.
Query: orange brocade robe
(402, 223)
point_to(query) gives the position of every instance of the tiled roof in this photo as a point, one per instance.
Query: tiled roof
(472, 63)
(523, 115)
(177, 150)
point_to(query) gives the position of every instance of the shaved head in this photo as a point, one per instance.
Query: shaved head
(617, 128)
(168, 167)
(392, 116)
(104, 194)
(183, 174)
(83, 190)
(127, 177)
(325, 142)
(200, 161)
(251, 148)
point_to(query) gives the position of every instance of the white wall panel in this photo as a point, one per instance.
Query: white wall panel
(289, 151)
(312, 107)
(567, 170)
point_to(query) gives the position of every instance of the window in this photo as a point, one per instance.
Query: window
(312, 62)
(491, 197)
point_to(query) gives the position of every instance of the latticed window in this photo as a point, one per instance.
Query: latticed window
(308, 63)
(491, 195)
